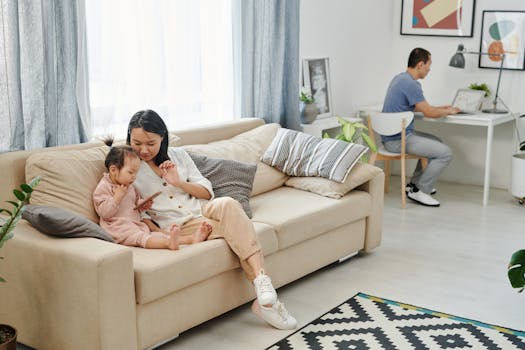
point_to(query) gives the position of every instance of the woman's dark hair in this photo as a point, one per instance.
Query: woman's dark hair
(418, 55)
(117, 154)
(150, 121)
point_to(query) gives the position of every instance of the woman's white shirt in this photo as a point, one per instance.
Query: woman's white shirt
(173, 205)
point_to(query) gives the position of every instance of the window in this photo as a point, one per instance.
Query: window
(172, 56)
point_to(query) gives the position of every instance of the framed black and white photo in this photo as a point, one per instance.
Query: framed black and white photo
(437, 17)
(316, 75)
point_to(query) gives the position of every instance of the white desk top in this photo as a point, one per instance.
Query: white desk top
(482, 119)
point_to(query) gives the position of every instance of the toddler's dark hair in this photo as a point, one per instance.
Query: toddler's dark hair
(117, 154)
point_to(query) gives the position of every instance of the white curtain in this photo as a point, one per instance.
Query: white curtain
(172, 56)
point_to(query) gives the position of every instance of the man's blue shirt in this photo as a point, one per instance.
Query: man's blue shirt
(402, 95)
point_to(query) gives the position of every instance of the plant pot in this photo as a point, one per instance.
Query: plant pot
(309, 113)
(7, 337)
(517, 181)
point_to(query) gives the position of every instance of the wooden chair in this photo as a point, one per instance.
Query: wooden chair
(390, 124)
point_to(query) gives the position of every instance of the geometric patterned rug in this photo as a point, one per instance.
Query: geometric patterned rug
(365, 322)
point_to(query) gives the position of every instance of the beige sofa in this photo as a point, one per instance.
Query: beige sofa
(86, 293)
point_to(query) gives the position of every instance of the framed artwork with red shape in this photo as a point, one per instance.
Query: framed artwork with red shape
(437, 17)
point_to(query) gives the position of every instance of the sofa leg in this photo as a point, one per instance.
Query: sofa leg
(351, 255)
(162, 342)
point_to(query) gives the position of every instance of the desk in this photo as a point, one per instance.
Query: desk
(487, 120)
(483, 119)
(328, 125)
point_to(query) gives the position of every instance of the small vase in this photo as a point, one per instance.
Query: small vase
(309, 113)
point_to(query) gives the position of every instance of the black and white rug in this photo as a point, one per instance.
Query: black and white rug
(365, 322)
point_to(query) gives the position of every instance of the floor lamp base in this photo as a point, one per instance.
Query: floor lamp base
(494, 111)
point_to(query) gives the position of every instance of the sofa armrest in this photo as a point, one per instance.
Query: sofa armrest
(374, 222)
(73, 293)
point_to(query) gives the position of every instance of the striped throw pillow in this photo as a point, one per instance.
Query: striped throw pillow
(298, 154)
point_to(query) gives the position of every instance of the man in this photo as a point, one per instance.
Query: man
(405, 94)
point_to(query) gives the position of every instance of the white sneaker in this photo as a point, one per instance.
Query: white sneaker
(266, 294)
(410, 186)
(422, 198)
(276, 315)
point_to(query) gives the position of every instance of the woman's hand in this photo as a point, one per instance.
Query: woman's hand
(170, 173)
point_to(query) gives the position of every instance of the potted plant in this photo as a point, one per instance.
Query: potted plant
(8, 333)
(309, 110)
(354, 132)
(481, 87)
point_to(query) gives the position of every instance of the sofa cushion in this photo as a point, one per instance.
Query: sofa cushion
(229, 178)
(360, 173)
(267, 178)
(189, 265)
(299, 215)
(68, 178)
(247, 147)
(298, 154)
(62, 223)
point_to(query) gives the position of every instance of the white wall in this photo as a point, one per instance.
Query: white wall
(366, 50)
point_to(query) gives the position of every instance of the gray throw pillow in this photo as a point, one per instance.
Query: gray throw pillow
(298, 154)
(59, 222)
(229, 178)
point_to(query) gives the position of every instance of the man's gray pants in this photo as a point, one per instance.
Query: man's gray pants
(430, 147)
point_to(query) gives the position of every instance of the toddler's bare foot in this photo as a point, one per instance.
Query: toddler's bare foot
(202, 232)
(173, 242)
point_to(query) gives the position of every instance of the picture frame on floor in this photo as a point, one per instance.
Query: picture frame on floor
(316, 76)
(438, 17)
(503, 32)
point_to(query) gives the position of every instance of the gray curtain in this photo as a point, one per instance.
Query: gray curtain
(270, 61)
(40, 74)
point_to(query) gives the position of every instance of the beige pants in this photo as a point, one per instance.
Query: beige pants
(229, 221)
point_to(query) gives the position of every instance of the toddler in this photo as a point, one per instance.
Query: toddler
(115, 200)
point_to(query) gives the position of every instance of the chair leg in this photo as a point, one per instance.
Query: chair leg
(424, 162)
(403, 184)
(387, 176)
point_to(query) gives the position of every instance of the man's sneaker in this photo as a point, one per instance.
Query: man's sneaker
(422, 198)
(276, 315)
(410, 185)
(266, 294)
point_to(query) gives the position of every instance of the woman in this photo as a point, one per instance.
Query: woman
(187, 201)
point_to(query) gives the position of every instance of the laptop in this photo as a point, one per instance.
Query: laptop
(468, 101)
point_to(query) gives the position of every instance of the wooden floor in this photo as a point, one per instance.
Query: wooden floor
(451, 259)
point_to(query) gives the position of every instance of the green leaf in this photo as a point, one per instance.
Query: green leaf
(340, 137)
(2, 280)
(7, 211)
(342, 121)
(26, 188)
(360, 125)
(21, 196)
(348, 132)
(326, 136)
(15, 204)
(516, 269)
(369, 142)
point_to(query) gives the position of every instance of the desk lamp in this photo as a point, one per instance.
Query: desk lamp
(458, 61)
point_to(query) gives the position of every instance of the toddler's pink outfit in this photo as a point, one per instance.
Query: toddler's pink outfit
(121, 221)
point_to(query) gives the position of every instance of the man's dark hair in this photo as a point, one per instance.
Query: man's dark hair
(418, 55)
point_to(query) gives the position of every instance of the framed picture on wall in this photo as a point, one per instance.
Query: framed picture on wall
(437, 17)
(316, 75)
(503, 32)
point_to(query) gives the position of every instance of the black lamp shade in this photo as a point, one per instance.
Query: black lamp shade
(458, 60)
